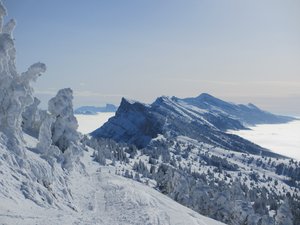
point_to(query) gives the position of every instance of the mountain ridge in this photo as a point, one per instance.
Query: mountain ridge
(137, 123)
(191, 158)
(248, 114)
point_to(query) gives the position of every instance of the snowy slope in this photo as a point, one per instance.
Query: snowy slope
(189, 157)
(98, 197)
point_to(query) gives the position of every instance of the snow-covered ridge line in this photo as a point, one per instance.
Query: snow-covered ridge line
(138, 123)
(247, 114)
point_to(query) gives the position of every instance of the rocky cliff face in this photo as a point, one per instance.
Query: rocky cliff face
(133, 123)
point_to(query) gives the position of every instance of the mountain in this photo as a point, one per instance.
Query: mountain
(246, 114)
(182, 149)
(51, 174)
(92, 110)
(137, 123)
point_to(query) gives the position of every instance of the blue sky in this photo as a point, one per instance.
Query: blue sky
(242, 51)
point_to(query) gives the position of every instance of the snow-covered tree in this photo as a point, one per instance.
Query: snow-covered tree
(141, 168)
(16, 92)
(33, 118)
(64, 128)
(284, 215)
(45, 147)
(58, 138)
(45, 135)
(99, 156)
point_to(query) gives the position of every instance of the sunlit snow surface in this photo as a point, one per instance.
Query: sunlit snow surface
(89, 123)
(99, 197)
(280, 138)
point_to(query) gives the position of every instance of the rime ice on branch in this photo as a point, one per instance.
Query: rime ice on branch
(16, 92)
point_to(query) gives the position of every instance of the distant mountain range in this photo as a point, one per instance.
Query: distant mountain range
(92, 110)
(247, 114)
(203, 118)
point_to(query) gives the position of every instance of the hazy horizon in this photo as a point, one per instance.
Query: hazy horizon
(235, 50)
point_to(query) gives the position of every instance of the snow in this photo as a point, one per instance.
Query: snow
(98, 197)
(64, 128)
(280, 138)
(89, 123)
(117, 200)
(45, 184)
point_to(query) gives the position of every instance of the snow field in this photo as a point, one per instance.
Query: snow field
(98, 197)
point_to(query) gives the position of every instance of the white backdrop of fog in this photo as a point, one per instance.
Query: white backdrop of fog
(280, 138)
(89, 123)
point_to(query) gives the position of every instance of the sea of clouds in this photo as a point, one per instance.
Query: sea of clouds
(89, 123)
(280, 138)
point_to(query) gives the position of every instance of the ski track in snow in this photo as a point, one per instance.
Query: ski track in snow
(101, 197)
